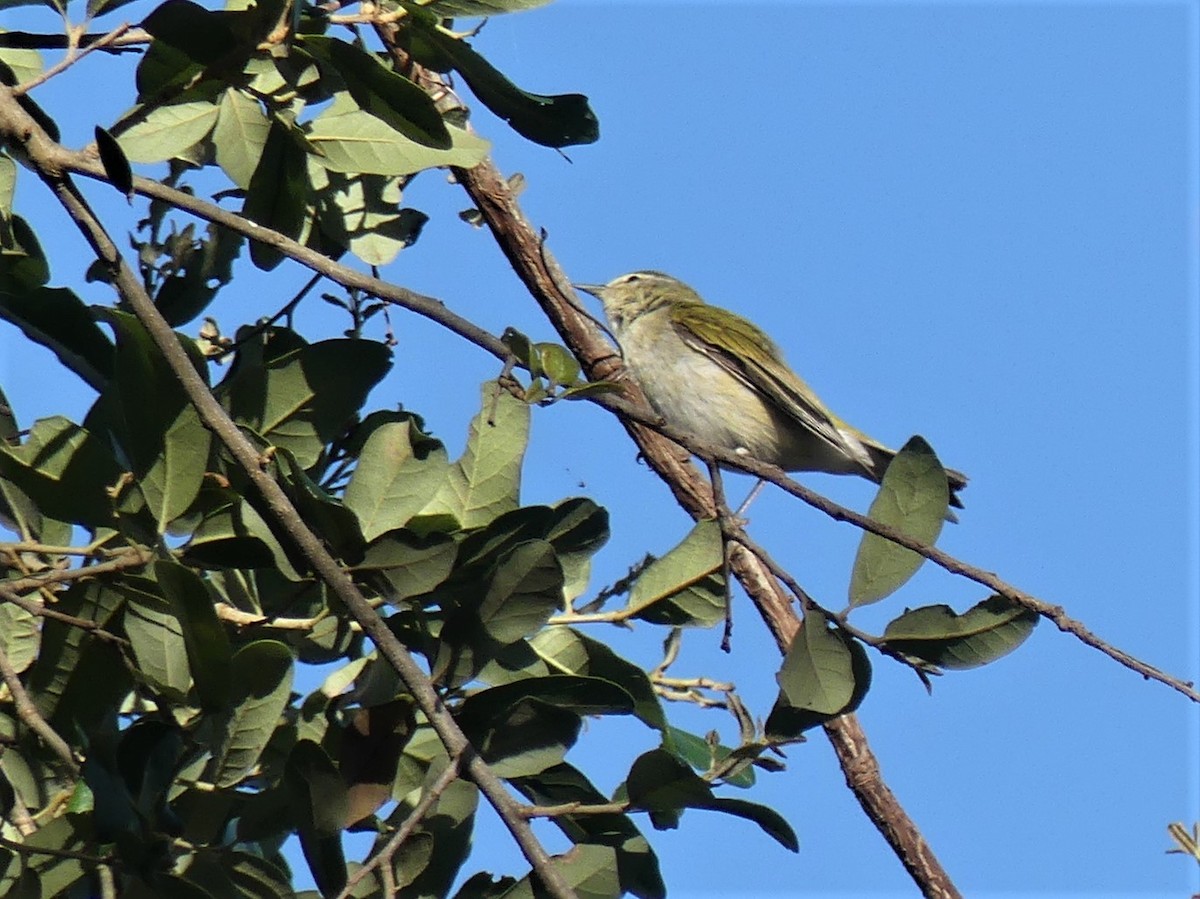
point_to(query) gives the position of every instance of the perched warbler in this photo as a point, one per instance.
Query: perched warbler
(710, 372)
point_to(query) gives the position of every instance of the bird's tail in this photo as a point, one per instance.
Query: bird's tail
(881, 457)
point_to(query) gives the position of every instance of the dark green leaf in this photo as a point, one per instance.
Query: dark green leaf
(204, 35)
(304, 398)
(65, 470)
(262, 682)
(685, 587)
(319, 803)
(659, 782)
(637, 865)
(553, 121)
(278, 194)
(321, 511)
(768, 819)
(913, 498)
(385, 94)
(940, 636)
(57, 319)
(567, 650)
(157, 427)
(208, 650)
(23, 265)
(817, 673)
(116, 166)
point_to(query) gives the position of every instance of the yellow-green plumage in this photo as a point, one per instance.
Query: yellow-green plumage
(716, 375)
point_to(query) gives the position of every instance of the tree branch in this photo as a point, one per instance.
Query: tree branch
(28, 712)
(17, 128)
(659, 443)
(536, 267)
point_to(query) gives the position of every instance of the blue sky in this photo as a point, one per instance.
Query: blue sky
(972, 221)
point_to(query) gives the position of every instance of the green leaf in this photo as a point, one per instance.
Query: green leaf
(304, 398)
(660, 782)
(552, 121)
(411, 564)
(768, 819)
(450, 829)
(565, 649)
(684, 588)
(582, 695)
(525, 591)
(817, 673)
(526, 738)
(58, 320)
(8, 185)
(23, 265)
(208, 651)
(163, 71)
(262, 682)
(22, 64)
(486, 481)
(399, 471)
(317, 797)
(157, 427)
(589, 869)
(204, 35)
(940, 636)
(636, 863)
(383, 93)
(206, 265)
(324, 513)
(362, 213)
(357, 142)
(700, 754)
(156, 636)
(914, 499)
(19, 636)
(787, 721)
(65, 470)
(116, 165)
(558, 363)
(239, 135)
(62, 645)
(166, 132)
(278, 194)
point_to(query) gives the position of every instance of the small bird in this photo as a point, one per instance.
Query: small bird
(712, 373)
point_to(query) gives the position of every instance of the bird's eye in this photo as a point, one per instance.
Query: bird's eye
(629, 279)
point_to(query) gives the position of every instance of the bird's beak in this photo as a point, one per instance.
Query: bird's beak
(594, 289)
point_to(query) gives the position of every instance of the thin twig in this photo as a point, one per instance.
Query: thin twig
(415, 817)
(26, 849)
(27, 711)
(33, 607)
(73, 56)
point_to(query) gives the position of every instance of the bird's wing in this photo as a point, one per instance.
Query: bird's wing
(775, 380)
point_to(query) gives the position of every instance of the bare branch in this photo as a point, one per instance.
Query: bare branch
(74, 54)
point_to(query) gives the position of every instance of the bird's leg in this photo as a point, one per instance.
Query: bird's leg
(751, 497)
